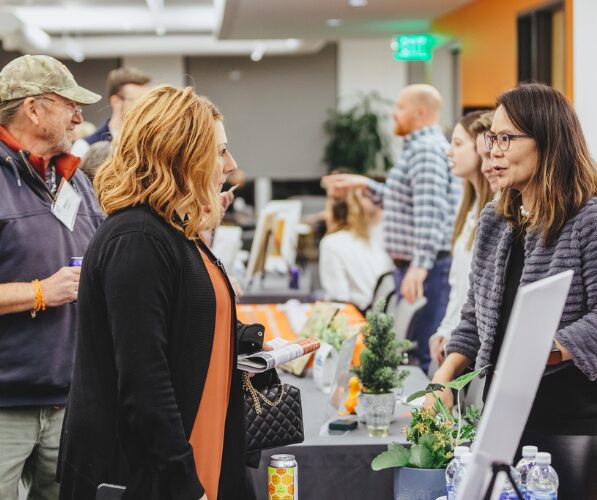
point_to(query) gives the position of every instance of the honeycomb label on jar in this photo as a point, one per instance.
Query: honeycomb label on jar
(281, 483)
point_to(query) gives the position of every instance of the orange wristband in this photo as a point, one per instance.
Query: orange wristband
(39, 304)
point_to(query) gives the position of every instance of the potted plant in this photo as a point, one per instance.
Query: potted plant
(433, 434)
(381, 356)
(355, 139)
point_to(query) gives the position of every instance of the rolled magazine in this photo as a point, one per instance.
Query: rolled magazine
(282, 352)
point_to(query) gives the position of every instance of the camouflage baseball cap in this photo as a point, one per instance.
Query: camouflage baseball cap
(28, 76)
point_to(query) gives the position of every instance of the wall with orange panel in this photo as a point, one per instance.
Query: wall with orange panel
(486, 30)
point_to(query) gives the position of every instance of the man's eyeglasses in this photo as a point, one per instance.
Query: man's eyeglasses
(74, 109)
(502, 139)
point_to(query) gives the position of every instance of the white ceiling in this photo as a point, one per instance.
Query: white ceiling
(109, 28)
(307, 18)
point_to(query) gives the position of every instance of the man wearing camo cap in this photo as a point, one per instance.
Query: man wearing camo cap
(48, 214)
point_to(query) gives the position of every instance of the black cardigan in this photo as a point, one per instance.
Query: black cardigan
(146, 326)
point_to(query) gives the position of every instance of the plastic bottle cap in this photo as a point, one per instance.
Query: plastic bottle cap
(529, 451)
(543, 458)
(459, 451)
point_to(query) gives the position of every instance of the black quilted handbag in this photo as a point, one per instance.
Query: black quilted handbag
(274, 415)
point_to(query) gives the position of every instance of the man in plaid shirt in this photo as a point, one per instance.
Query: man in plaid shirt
(420, 199)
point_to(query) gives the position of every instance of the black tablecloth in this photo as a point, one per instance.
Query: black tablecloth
(337, 466)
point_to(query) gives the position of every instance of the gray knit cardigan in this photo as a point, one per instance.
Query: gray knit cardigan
(576, 249)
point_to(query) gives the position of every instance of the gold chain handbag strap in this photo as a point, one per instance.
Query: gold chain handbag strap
(256, 395)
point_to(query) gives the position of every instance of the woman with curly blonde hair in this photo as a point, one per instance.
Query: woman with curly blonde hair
(155, 402)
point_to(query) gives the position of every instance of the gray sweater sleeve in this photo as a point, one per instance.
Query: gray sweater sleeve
(465, 338)
(580, 337)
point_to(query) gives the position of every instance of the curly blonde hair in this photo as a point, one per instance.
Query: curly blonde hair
(166, 156)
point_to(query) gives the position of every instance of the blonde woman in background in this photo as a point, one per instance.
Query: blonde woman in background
(478, 129)
(351, 256)
(156, 400)
(467, 161)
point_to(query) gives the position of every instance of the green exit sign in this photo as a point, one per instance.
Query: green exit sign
(413, 47)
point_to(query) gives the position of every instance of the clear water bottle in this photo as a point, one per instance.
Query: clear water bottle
(542, 480)
(508, 491)
(524, 465)
(452, 469)
(459, 476)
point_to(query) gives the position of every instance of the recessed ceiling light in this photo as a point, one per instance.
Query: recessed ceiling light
(357, 3)
(334, 23)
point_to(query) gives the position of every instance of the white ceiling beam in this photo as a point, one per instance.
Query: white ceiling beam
(180, 44)
(111, 19)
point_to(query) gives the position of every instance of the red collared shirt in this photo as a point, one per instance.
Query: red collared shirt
(65, 163)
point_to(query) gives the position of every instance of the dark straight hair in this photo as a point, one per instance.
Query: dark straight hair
(565, 177)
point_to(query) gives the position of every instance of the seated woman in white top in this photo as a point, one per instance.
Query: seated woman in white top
(469, 159)
(351, 258)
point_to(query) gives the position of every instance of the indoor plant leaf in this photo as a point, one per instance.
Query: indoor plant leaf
(396, 456)
(420, 457)
(418, 394)
(427, 441)
(463, 380)
(441, 409)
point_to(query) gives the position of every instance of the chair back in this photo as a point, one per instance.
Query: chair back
(404, 314)
(383, 288)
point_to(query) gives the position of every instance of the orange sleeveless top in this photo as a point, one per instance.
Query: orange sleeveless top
(207, 436)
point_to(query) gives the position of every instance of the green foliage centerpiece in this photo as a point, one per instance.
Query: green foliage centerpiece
(380, 359)
(433, 433)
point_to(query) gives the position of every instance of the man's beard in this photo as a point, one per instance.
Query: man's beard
(60, 142)
(400, 130)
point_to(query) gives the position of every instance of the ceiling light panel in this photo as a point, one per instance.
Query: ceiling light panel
(103, 19)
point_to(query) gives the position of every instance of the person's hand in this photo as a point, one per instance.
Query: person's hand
(339, 184)
(445, 395)
(62, 287)
(412, 284)
(226, 199)
(436, 348)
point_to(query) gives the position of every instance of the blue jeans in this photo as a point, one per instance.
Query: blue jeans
(436, 289)
(29, 441)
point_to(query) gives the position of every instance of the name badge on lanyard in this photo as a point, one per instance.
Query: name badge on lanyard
(67, 203)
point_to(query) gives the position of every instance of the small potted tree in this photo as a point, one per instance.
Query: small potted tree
(379, 375)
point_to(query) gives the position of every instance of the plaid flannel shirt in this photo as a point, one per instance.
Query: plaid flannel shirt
(420, 199)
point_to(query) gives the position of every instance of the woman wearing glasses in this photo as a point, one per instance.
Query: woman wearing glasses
(544, 222)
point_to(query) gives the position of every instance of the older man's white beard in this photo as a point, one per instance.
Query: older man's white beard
(59, 143)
